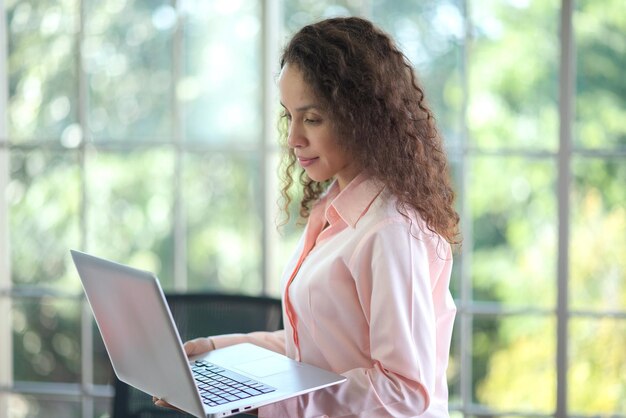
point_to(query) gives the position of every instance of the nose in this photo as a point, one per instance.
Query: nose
(295, 137)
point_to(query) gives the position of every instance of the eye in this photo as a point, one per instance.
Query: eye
(312, 121)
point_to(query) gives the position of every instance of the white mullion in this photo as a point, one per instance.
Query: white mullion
(181, 281)
(465, 321)
(6, 335)
(566, 114)
(86, 321)
(272, 30)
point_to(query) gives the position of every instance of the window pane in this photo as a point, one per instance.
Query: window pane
(431, 34)
(514, 61)
(46, 340)
(222, 194)
(42, 70)
(130, 200)
(513, 206)
(600, 86)
(598, 234)
(298, 13)
(597, 358)
(513, 363)
(21, 406)
(222, 84)
(128, 60)
(44, 201)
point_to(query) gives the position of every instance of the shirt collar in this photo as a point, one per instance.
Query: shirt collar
(351, 203)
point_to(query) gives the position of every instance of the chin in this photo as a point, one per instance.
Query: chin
(319, 179)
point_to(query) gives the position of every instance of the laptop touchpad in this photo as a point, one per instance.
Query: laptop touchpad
(265, 367)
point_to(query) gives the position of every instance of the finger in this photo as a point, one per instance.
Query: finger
(191, 348)
(197, 346)
(165, 404)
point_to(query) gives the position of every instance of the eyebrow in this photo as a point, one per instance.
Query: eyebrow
(304, 108)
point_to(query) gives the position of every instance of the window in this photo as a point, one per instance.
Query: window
(144, 131)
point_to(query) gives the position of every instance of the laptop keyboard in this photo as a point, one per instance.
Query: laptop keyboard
(219, 386)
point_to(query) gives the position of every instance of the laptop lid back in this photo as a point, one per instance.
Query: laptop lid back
(138, 330)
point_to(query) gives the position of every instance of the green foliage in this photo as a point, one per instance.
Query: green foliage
(222, 195)
(44, 198)
(601, 100)
(42, 69)
(46, 340)
(513, 66)
(130, 200)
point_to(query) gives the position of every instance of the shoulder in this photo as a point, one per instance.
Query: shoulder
(401, 249)
(386, 226)
(385, 215)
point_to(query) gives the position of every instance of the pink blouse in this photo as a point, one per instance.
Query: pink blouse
(366, 297)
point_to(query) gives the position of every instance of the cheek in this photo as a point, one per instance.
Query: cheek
(332, 147)
(339, 155)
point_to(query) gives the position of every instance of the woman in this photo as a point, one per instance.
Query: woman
(366, 294)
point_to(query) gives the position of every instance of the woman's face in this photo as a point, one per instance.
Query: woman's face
(311, 135)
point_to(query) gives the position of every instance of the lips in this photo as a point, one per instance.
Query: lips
(305, 162)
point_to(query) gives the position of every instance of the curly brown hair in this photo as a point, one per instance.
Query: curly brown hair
(379, 111)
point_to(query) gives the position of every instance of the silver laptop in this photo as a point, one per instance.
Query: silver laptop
(146, 350)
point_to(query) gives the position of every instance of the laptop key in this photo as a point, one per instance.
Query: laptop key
(223, 386)
(252, 391)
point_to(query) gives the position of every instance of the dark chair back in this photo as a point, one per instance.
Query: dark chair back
(201, 315)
